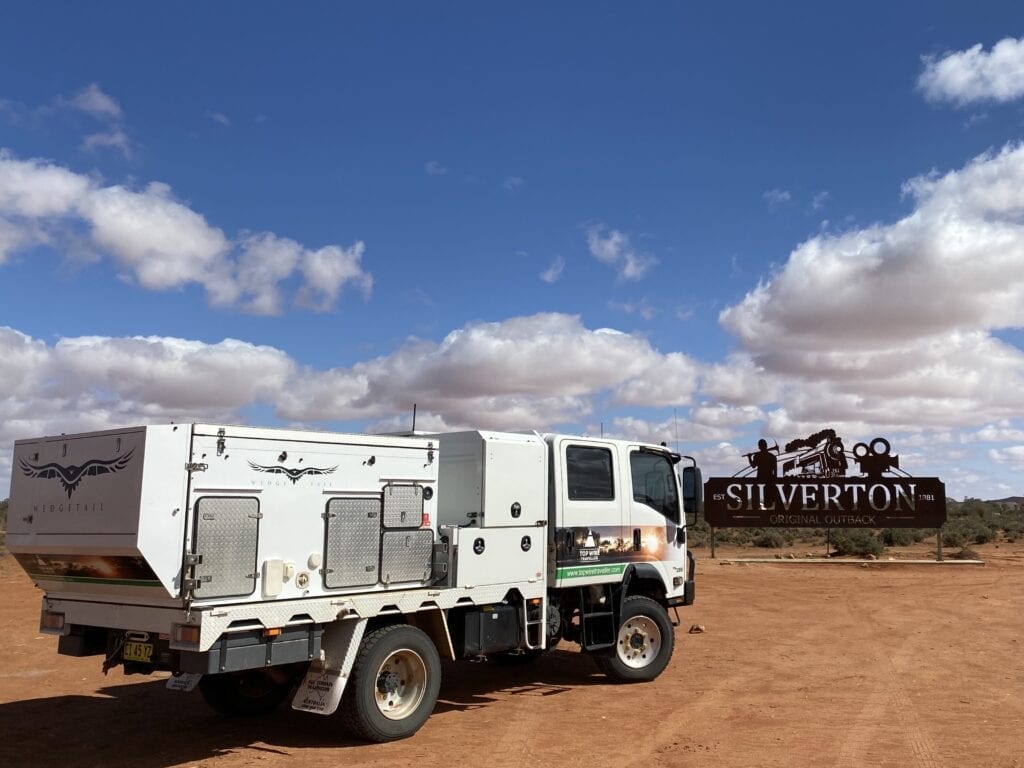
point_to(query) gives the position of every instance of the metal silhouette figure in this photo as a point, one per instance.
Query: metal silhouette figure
(764, 461)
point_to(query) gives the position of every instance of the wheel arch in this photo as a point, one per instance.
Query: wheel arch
(645, 580)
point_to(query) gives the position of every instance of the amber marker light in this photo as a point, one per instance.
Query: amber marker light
(51, 622)
(187, 634)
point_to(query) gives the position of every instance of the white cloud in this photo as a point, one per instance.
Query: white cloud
(975, 75)
(486, 373)
(37, 189)
(483, 375)
(776, 197)
(1012, 457)
(554, 270)
(113, 139)
(513, 184)
(819, 200)
(218, 117)
(667, 431)
(1003, 432)
(95, 103)
(893, 324)
(642, 308)
(434, 168)
(612, 247)
(326, 270)
(163, 244)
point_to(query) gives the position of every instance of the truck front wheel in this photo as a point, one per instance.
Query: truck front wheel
(394, 684)
(643, 644)
(250, 692)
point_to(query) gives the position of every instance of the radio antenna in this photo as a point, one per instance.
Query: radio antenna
(414, 417)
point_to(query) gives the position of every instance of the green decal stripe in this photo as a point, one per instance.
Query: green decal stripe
(91, 580)
(579, 571)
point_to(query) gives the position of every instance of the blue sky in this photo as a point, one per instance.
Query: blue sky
(729, 221)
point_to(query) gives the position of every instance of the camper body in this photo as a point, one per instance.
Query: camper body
(245, 560)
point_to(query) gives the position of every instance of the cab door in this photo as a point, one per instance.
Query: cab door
(589, 537)
(654, 524)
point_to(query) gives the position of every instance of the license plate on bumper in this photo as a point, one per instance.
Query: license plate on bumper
(137, 651)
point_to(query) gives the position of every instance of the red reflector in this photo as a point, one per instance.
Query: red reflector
(425, 523)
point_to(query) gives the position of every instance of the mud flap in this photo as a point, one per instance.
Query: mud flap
(321, 688)
(186, 681)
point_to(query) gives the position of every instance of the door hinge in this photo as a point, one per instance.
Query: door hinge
(191, 560)
(196, 466)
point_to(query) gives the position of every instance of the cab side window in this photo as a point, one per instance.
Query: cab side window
(589, 472)
(654, 483)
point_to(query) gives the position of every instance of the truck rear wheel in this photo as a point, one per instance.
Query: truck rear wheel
(245, 693)
(394, 684)
(643, 643)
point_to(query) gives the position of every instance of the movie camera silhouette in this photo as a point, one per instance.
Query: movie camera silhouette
(824, 455)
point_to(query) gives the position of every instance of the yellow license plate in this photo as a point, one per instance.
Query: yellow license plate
(136, 651)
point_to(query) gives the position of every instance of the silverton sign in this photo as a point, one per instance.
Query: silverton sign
(815, 492)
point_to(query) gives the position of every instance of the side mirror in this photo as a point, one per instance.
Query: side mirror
(693, 494)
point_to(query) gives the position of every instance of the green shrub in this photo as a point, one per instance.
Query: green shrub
(902, 537)
(856, 541)
(770, 539)
(952, 538)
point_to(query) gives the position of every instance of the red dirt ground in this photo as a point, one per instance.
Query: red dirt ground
(800, 665)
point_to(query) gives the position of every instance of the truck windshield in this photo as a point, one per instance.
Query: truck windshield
(654, 483)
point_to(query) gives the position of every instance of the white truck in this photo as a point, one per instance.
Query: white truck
(252, 563)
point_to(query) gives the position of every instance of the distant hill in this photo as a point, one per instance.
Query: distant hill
(1009, 500)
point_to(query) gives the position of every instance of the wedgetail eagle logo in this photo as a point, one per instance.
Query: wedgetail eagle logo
(70, 476)
(293, 474)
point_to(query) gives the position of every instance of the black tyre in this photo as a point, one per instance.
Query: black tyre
(643, 644)
(246, 693)
(394, 684)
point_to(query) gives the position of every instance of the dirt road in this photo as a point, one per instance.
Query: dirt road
(801, 665)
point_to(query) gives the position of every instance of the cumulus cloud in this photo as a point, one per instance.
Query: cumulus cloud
(893, 323)
(612, 247)
(482, 375)
(975, 75)
(666, 431)
(161, 243)
(1012, 457)
(327, 269)
(1002, 432)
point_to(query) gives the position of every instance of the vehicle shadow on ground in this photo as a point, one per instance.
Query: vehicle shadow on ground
(143, 725)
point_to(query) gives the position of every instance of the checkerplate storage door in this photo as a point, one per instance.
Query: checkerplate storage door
(227, 534)
(352, 550)
(406, 556)
(403, 506)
